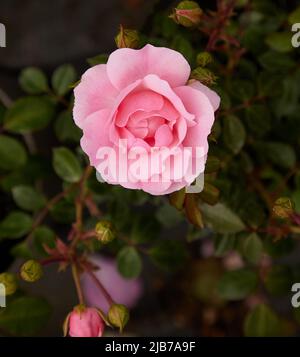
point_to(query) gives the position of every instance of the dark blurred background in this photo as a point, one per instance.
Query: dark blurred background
(49, 33)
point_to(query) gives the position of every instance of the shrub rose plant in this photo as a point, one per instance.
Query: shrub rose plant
(99, 170)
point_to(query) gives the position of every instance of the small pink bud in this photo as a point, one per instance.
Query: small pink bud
(187, 13)
(85, 322)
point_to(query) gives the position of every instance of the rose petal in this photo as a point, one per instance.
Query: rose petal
(213, 97)
(126, 65)
(198, 103)
(163, 136)
(94, 92)
(144, 100)
(95, 135)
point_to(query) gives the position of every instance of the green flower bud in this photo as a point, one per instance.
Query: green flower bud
(203, 75)
(105, 232)
(118, 316)
(204, 58)
(127, 38)
(283, 207)
(9, 280)
(187, 13)
(31, 271)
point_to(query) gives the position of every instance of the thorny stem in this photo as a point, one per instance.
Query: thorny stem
(51, 260)
(79, 206)
(215, 34)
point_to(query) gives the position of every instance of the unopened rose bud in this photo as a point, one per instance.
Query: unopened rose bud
(187, 13)
(105, 232)
(204, 76)
(9, 281)
(31, 271)
(204, 58)
(283, 207)
(127, 38)
(118, 315)
(84, 322)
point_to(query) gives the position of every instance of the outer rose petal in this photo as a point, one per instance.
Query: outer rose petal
(95, 135)
(196, 102)
(211, 95)
(126, 65)
(94, 92)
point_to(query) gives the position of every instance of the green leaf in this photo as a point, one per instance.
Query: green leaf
(144, 229)
(99, 59)
(279, 280)
(29, 114)
(234, 133)
(222, 219)
(223, 244)
(280, 248)
(12, 153)
(28, 198)
(168, 254)
(276, 62)
(43, 236)
(262, 322)
(63, 212)
(25, 316)
(33, 81)
(252, 248)
(15, 225)
(22, 250)
(129, 262)
(63, 78)
(242, 89)
(65, 128)
(168, 216)
(237, 284)
(281, 154)
(181, 44)
(210, 194)
(66, 165)
(280, 41)
(258, 119)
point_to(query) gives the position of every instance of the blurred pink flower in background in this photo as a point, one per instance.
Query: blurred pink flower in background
(123, 291)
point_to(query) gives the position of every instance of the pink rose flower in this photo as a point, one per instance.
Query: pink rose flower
(139, 110)
(123, 291)
(85, 322)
